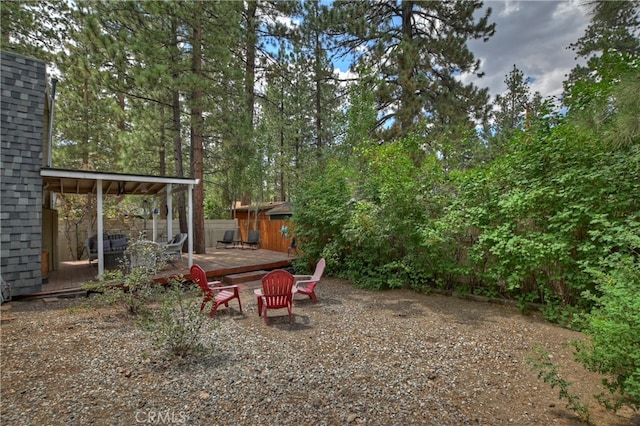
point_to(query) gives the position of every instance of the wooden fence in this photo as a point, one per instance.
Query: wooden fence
(271, 237)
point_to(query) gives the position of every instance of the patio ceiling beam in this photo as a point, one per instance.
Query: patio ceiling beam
(81, 174)
(140, 186)
(110, 185)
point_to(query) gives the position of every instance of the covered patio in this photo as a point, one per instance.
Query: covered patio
(64, 181)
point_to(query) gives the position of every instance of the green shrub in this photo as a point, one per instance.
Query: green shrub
(145, 256)
(132, 285)
(134, 290)
(322, 209)
(176, 325)
(169, 313)
(614, 328)
(613, 323)
(548, 372)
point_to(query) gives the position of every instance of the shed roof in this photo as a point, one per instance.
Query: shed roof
(282, 209)
(261, 206)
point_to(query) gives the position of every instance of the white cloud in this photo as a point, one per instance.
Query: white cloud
(344, 75)
(510, 7)
(533, 35)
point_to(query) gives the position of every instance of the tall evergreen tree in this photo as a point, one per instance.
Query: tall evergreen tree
(602, 94)
(86, 118)
(35, 28)
(174, 58)
(516, 109)
(261, 33)
(416, 48)
(286, 119)
(513, 104)
(138, 47)
(313, 48)
(614, 28)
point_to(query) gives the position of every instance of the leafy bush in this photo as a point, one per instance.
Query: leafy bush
(169, 313)
(533, 211)
(614, 322)
(365, 216)
(548, 372)
(176, 326)
(134, 291)
(322, 209)
(529, 226)
(145, 256)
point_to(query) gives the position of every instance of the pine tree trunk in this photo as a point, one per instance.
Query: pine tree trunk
(177, 140)
(197, 125)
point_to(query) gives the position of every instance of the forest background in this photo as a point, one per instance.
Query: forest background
(401, 176)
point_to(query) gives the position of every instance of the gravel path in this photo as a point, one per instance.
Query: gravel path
(356, 357)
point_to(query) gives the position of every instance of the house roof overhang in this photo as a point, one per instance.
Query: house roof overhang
(64, 181)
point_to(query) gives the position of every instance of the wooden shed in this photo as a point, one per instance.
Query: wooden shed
(270, 227)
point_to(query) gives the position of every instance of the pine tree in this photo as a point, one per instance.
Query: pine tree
(261, 34)
(515, 111)
(614, 30)
(35, 28)
(416, 48)
(602, 95)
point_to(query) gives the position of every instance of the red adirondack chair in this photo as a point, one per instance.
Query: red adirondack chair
(277, 292)
(221, 295)
(306, 284)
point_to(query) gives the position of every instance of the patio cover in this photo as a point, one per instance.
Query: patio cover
(63, 181)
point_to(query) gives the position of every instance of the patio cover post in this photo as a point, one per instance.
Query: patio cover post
(169, 213)
(100, 230)
(190, 226)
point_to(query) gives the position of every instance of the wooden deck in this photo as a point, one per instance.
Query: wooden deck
(217, 263)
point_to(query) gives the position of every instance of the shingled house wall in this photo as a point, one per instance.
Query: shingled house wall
(22, 122)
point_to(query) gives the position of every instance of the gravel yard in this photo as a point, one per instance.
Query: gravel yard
(356, 357)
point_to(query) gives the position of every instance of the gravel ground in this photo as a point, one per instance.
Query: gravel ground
(356, 357)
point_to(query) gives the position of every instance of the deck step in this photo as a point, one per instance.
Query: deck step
(244, 277)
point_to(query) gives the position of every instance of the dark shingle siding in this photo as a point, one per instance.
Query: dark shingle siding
(22, 109)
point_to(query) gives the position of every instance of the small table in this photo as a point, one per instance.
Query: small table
(112, 259)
